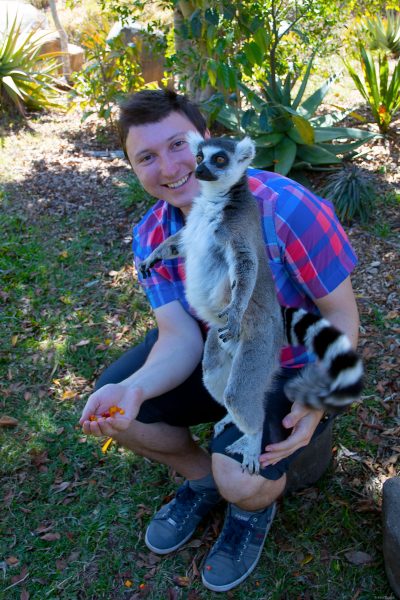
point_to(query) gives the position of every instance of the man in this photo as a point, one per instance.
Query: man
(158, 384)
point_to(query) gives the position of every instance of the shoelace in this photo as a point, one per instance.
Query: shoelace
(234, 535)
(183, 505)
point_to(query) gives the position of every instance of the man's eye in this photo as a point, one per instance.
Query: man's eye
(146, 158)
(199, 158)
(179, 143)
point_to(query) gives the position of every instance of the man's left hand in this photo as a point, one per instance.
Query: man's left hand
(303, 421)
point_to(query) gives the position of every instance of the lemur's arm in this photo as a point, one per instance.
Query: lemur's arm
(169, 248)
(243, 267)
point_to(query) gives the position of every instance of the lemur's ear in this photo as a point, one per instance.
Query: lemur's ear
(194, 138)
(246, 150)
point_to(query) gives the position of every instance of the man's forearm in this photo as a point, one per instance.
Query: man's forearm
(170, 362)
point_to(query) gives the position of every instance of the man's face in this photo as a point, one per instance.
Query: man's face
(162, 161)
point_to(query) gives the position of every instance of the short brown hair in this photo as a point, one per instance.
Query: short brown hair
(152, 106)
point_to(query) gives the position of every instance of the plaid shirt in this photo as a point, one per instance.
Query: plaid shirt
(308, 251)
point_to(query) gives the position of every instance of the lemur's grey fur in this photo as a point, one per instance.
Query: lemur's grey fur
(229, 284)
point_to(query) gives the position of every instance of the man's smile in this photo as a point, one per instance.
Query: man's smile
(177, 184)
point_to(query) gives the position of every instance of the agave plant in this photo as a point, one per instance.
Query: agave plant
(384, 33)
(27, 79)
(287, 133)
(352, 192)
(382, 96)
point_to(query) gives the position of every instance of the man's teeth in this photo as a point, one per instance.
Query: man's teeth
(178, 183)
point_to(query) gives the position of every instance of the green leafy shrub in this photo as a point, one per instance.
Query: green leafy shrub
(384, 33)
(286, 130)
(380, 88)
(28, 80)
(111, 70)
(352, 193)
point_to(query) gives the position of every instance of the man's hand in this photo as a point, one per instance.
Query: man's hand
(304, 422)
(112, 394)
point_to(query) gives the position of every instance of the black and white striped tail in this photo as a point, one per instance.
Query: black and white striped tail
(335, 380)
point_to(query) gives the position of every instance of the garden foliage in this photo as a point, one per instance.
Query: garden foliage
(379, 87)
(28, 79)
(352, 193)
(383, 33)
(110, 71)
(287, 132)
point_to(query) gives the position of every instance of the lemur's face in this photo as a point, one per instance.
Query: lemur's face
(221, 160)
(162, 160)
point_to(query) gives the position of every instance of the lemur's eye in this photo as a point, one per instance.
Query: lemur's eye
(199, 158)
(220, 160)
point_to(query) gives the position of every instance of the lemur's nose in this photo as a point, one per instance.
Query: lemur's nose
(203, 173)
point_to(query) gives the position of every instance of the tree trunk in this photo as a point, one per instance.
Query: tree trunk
(182, 12)
(66, 64)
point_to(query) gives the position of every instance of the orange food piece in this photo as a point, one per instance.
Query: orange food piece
(106, 445)
(92, 418)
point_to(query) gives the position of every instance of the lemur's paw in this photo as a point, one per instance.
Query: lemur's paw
(145, 266)
(231, 330)
(220, 426)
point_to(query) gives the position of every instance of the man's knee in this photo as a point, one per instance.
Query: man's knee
(239, 487)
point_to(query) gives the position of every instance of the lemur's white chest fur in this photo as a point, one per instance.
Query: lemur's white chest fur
(206, 264)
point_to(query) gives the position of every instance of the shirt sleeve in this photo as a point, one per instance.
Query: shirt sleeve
(165, 283)
(315, 249)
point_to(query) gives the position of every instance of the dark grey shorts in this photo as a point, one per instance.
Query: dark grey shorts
(190, 404)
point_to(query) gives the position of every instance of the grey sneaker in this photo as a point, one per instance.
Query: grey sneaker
(237, 550)
(176, 521)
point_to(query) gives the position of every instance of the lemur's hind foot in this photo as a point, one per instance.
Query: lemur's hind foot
(249, 446)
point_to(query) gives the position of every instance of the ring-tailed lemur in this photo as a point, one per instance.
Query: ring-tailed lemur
(230, 286)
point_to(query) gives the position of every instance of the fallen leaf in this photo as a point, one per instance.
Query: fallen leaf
(14, 340)
(21, 577)
(6, 421)
(44, 528)
(68, 394)
(50, 537)
(181, 580)
(60, 487)
(307, 559)
(12, 561)
(83, 343)
(356, 557)
(24, 594)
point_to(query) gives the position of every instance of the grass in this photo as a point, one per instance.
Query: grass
(73, 519)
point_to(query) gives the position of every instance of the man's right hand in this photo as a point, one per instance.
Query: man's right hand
(127, 398)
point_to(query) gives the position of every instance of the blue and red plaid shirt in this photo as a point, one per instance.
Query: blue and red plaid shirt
(308, 251)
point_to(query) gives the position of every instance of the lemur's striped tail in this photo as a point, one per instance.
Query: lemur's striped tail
(335, 380)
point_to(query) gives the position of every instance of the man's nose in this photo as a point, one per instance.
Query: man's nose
(169, 166)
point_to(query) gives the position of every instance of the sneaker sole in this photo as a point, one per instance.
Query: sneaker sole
(229, 586)
(167, 550)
